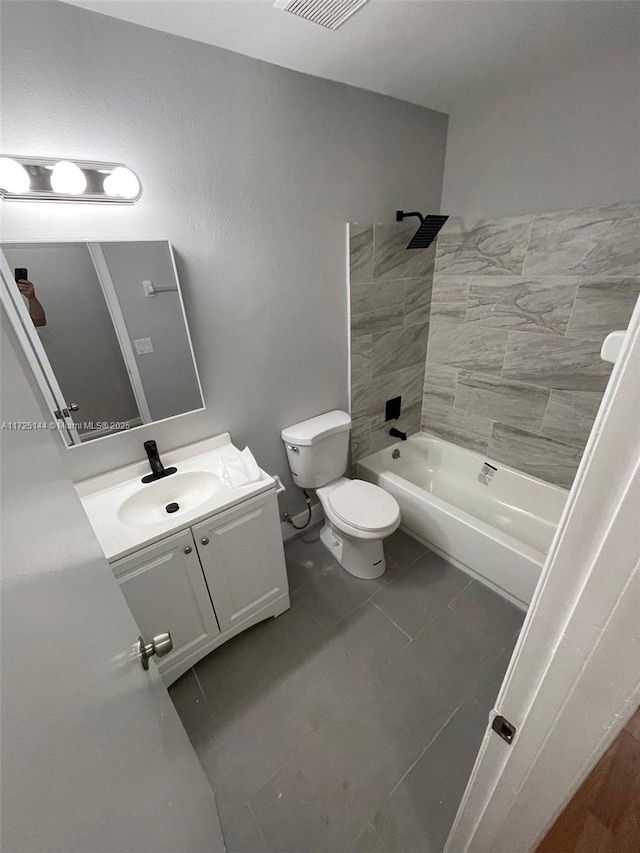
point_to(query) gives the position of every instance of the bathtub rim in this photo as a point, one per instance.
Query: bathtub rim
(514, 544)
(383, 470)
(521, 549)
(423, 433)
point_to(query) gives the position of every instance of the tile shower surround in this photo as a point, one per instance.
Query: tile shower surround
(519, 310)
(515, 312)
(390, 292)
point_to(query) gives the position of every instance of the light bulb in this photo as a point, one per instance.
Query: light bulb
(122, 183)
(68, 179)
(14, 178)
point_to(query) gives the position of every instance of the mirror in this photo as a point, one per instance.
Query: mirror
(104, 328)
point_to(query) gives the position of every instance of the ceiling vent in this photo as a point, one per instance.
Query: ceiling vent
(326, 13)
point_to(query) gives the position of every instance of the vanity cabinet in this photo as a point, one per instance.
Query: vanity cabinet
(209, 582)
(242, 559)
(166, 591)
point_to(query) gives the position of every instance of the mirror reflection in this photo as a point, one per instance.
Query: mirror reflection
(107, 324)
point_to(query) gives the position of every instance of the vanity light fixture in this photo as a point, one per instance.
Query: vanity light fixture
(14, 178)
(68, 179)
(122, 183)
(47, 179)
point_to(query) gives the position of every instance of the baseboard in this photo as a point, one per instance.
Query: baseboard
(288, 532)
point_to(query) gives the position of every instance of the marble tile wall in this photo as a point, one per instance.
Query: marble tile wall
(519, 310)
(390, 293)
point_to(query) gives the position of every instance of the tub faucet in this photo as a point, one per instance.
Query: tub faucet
(396, 433)
(158, 471)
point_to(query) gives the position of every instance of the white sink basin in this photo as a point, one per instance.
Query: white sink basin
(127, 515)
(188, 490)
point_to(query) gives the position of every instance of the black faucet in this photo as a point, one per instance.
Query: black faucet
(158, 471)
(396, 433)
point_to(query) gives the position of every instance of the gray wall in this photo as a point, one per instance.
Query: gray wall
(390, 290)
(79, 338)
(168, 378)
(251, 170)
(519, 310)
(570, 141)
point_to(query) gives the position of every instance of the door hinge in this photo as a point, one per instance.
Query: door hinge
(61, 414)
(504, 728)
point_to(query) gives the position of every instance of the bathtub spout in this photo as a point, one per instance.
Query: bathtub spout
(396, 433)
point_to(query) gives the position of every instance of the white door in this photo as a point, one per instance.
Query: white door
(574, 679)
(243, 559)
(94, 757)
(166, 591)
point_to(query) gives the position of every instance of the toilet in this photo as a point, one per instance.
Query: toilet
(358, 515)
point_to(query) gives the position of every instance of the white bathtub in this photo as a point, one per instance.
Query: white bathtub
(496, 526)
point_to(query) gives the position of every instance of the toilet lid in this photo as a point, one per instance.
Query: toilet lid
(364, 505)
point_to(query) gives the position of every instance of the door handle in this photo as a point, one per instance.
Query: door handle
(160, 645)
(73, 407)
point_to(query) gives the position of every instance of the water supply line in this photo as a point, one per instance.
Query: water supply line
(286, 516)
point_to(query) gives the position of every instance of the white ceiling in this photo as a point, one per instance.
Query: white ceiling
(437, 53)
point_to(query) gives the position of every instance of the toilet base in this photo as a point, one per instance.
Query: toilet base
(362, 558)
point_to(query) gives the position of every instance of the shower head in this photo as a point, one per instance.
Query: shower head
(427, 231)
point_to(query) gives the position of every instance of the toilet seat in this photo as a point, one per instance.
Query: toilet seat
(363, 506)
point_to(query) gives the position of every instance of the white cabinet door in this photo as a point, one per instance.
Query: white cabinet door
(166, 591)
(243, 558)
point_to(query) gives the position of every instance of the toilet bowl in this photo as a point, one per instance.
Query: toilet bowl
(358, 515)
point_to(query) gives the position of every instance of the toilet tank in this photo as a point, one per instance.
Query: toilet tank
(318, 449)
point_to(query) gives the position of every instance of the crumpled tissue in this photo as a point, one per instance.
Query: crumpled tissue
(240, 469)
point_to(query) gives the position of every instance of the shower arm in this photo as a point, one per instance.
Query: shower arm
(401, 215)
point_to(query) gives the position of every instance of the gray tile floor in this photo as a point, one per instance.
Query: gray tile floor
(350, 723)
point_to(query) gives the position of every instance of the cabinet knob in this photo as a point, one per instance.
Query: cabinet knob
(204, 540)
(187, 549)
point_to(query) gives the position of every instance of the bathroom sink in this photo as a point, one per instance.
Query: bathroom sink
(149, 504)
(127, 515)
